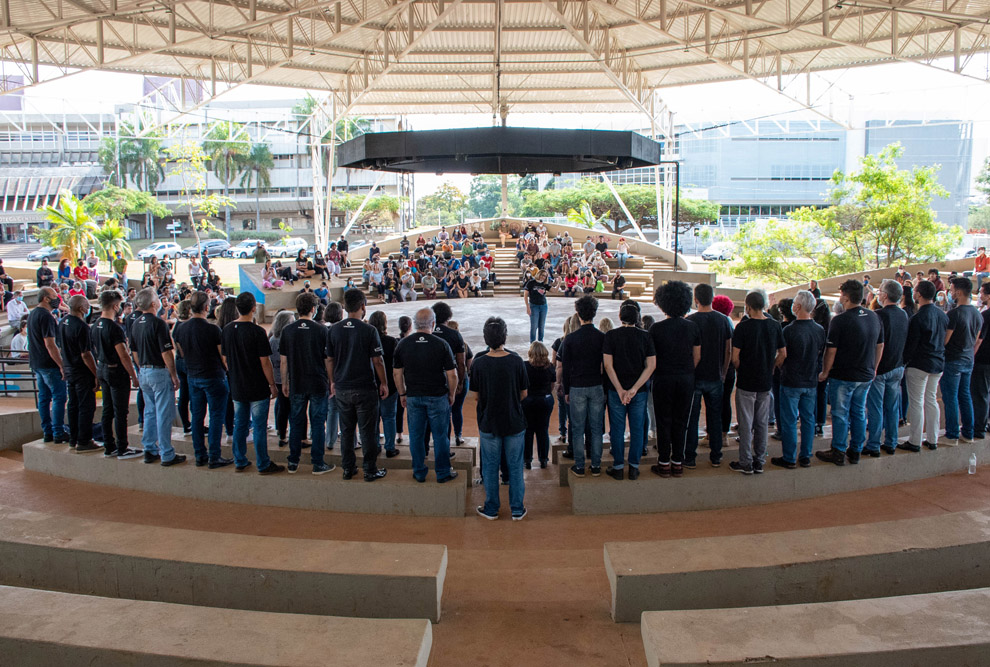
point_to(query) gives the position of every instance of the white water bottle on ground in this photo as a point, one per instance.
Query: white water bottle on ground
(972, 463)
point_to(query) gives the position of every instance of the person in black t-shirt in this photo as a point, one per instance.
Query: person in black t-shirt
(80, 374)
(116, 375)
(805, 341)
(46, 363)
(924, 360)
(305, 381)
(246, 353)
(618, 282)
(426, 381)
(198, 341)
(151, 348)
(709, 375)
(538, 404)
(357, 383)
(758, 347)
(980, 383)
(883, 403)
(630, 359)
(443, 313)
(583, 362)
(388, 406)
(499, 378)
(535, 297)
(963, 331)
(853, 348)
(677, 342)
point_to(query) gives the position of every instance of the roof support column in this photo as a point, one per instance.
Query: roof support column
(622, 204)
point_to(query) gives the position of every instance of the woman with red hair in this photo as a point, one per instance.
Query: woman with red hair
(724, 305)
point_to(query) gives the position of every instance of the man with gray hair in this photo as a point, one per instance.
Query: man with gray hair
(151, 346)
(426, 381)
(805, 341)
(883, 402)
(79, 367)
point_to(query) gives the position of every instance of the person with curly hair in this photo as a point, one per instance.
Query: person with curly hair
(677, 342)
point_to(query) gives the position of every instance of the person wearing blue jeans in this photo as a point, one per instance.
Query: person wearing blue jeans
(333, 423)
(46, 362)
(387, 409)
(207, 394)
(152, 348)
(963, 331)
(52, 396)
(853, 350)
(255, 415)
(426, 381)
(535, 296)
(501, 382)
(629, 356)
(883, 403)
(582, 356)
(317, 412)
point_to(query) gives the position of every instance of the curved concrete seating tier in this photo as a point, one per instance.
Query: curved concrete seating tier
(935, 630)
(398, 493)
(714, 488)
(370, 579)
(46, 629)
(908, 556)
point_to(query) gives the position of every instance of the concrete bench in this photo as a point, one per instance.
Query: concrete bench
(714, 488)
(935, 630)
(398, 493)
(45, 629)
(924, 555)
(335, 578)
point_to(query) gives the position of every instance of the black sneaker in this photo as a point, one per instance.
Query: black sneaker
(908, 447)
(715, 463)
(293, 468)
(568, 454)
(690, 465)
(186, 430)
(443, 480)
(391, 453)
(576, 471)
(377, 474)
(48, 437)
(271, 469)
(831, 456)
(872, 453)
(481, 512)
(243, 467)
(282, 442)
(129, 454)
(888, 450)
(520, 516)
(757, 468)
(930, 445)
(804, 461)
(819, 430)
(202, 463)
(739, 467)
(781, 462)
(61, 439)
(110, 453)
(174, 461)
(323, 468)
(543, 464)
(615, 474)
(528, 465)
(453, 454)
(151, 458)
(458, 441)
(349, 474)
(853, 457)
(633, 473)
(596, 471)
(220, 463)
(776, 435)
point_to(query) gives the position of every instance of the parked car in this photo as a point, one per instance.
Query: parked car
(287, 247)
(961, 253)
(213, 246)
(244, 249)
(718, 251)
(46, 252)
(159, 249)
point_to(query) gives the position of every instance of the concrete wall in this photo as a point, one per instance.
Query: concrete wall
(831, 285)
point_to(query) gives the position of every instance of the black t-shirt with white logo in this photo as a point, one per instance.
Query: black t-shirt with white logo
(537, 292)
(854, 334)
(150, 338)
(630, 347)
(304, 344)
(805, 341)
(244, 344)
(424, 359)
(200, 344)
(451, 336)
(758, 342)
(74, 339)
(41, 325)
(107, 334)
(352, 344)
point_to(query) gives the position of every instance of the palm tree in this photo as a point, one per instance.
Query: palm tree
(227, 144)
(135, 154)
(73, 230)
(113, 236)
(585, 217)
(256, 169)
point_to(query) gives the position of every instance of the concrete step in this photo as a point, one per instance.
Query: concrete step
(904, 557)
(936, 630)
(44, 628)
(715, 488)
(228, 570)
(398, 493)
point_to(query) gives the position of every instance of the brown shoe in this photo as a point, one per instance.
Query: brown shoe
(662, 469)
(677, 470)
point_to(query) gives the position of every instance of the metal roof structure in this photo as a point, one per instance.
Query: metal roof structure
(410, 56)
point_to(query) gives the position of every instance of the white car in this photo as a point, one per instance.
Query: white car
(718, 251)
(159, 250)
(960, 253)
(244, 249)
(287, 247)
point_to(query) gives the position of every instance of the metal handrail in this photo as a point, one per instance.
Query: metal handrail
(16, 376)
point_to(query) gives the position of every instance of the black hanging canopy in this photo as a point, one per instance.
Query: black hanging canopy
(499, 150)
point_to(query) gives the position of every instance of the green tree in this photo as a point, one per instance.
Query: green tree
(877, 217)
(257, 175)
(227, 145)
(585, 217)
(485, 195)
(135, 155)
(187, 162)
(114, 203)
(113, 237)
(73, 230)
(448, 198)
